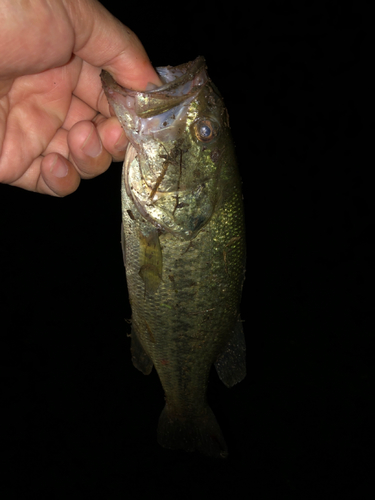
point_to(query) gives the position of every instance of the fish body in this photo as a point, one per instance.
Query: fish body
(183, 241)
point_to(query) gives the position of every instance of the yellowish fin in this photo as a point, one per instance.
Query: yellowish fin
(151, 261)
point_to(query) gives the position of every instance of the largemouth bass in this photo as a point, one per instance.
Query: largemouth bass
(183, 241)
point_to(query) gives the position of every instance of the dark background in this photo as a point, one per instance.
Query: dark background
(78, 419)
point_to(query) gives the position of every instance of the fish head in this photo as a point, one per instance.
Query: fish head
(179, 137)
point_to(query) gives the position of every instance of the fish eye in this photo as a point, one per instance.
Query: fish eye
(204, 130)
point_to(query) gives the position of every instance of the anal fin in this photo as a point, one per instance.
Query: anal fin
(231, 364)
(140, 358)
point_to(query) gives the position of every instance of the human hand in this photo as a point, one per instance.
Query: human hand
(55, 122)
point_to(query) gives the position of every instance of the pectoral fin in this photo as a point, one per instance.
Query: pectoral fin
(231, 364)
(151, 264)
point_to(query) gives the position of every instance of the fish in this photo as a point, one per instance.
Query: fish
(183, 240)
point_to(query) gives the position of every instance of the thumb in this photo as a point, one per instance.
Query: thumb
(103, 41)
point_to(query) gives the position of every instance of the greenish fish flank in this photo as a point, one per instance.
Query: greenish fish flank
(183, 239)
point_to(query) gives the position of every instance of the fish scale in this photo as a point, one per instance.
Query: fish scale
(184, 271)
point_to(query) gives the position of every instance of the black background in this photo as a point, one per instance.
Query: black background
(78, 419)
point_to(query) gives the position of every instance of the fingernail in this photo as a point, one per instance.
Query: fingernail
(92, 146)
(151, 86)
(59, 168)
(121, 142)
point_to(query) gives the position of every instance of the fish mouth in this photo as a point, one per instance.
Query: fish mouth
(158, 112)
(179, 83)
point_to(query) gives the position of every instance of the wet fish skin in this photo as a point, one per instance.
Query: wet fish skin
(184, 246)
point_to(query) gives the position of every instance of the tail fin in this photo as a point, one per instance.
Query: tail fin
(201, 433)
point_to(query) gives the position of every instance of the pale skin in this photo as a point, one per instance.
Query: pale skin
(55, 123)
